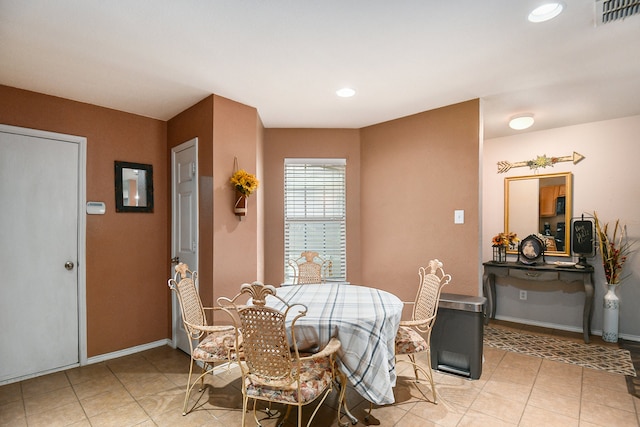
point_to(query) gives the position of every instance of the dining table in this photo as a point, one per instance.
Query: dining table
(366, 322)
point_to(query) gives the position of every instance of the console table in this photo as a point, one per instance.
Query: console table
(543, 272)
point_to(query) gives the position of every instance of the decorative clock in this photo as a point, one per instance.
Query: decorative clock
(531, 250)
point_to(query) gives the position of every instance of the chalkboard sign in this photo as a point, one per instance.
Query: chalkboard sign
(582, 235)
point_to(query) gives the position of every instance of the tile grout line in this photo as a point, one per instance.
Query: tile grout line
(66, 373)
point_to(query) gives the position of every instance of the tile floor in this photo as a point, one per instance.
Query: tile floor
(146, 389)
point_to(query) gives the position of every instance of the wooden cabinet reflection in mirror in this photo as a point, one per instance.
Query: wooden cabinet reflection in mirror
(540, 204)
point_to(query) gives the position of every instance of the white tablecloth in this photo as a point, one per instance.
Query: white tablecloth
(365, 320)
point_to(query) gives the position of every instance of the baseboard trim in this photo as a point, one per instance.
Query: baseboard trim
(128, 351)
(37, 374)
(562, 327)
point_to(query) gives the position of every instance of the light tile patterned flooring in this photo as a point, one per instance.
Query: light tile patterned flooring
(146, 389)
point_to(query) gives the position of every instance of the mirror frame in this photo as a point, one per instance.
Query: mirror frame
(567, 209)
(120, 206)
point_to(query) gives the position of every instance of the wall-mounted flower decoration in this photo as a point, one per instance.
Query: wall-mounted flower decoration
(244, 182)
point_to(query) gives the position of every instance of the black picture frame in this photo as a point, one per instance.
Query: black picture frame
(134, 187)
(531, 250)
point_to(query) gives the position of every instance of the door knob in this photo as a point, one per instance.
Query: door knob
(68, 265)
(175, 260)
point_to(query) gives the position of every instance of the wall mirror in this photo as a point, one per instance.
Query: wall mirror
(540, 204)
(134, 187)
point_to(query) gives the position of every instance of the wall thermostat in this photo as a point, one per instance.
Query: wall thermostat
(96, 208)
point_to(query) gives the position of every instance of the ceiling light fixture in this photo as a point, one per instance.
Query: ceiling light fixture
(546, 12)
(521, 122)
(345, 92)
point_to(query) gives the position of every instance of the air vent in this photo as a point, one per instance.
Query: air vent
(615, 10)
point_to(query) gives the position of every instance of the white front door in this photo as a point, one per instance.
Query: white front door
(40, 192)
(184, 240)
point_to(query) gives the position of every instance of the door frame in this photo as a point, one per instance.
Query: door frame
(82, 238)
(193, 142)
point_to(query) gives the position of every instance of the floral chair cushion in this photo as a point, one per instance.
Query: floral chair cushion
(409, 341)
(315, 376)
(217, 346)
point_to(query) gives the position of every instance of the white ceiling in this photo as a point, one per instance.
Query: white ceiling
(287, 58)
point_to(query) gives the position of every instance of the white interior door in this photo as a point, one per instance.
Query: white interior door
(184, 172)
(39, 234)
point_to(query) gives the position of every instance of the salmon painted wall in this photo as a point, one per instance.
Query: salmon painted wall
(125, 252)
(229, 254)
(136, 311)
(235, 251)
(415, 172)
(196, 122)
(308, 143)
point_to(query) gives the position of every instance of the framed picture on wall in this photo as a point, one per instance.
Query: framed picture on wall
(134, 187)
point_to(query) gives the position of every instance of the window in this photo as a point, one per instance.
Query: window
(315, 209)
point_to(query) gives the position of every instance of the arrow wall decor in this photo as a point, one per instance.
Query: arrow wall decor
(539, 162)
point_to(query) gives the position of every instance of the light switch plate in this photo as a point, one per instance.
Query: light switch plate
(458, 217)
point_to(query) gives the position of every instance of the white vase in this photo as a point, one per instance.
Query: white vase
(610, 314)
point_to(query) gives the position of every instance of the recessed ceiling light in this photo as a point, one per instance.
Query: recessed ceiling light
(522, 121)
(545, 12)
(345, 92)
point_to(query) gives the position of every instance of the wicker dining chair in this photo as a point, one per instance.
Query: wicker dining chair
(414, 336)
(273, 370)
(209, 344)
(310, 268)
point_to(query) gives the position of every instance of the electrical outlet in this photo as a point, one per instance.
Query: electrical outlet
(523, 295)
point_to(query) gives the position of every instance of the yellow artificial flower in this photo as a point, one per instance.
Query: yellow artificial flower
(505, 239)
(244, 182)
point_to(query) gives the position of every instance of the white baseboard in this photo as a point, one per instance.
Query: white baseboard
(108, 356)
(128, 351)
(562, 327)
(37, 374)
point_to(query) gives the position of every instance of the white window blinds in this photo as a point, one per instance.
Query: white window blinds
(315, 212)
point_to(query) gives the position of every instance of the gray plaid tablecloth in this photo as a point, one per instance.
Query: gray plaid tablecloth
(365, 320)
